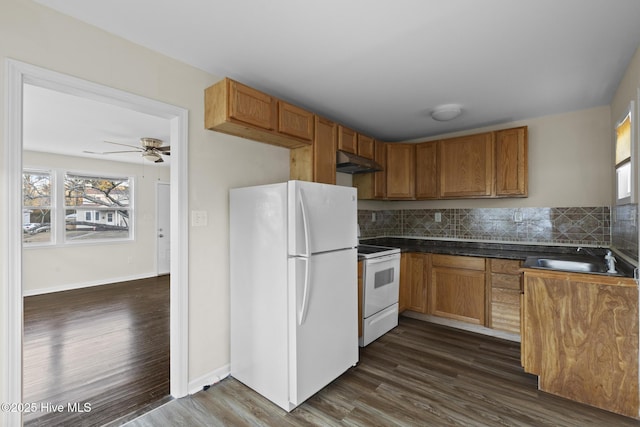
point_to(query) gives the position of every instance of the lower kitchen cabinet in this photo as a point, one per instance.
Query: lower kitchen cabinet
(580, 336)
(414, 281)
(506, 288)
(458, 288)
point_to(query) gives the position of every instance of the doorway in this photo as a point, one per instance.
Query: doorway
(18, 74)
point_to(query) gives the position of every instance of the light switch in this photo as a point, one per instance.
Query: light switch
(517, 216)
(438, 217)
(198, 218)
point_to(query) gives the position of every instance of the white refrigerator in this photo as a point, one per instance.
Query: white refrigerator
(293, 258)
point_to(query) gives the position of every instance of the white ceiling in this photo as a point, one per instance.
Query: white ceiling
(60, 123)
(381, 66)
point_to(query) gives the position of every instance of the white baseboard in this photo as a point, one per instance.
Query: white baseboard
(218, 375)
(70, 287)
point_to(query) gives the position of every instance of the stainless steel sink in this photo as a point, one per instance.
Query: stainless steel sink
(572, 265)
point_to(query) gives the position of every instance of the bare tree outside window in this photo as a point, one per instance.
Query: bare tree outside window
(90, 202)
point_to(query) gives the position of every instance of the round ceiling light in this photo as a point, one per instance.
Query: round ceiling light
(446, 112)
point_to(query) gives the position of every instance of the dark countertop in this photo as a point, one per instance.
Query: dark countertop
(491, 250)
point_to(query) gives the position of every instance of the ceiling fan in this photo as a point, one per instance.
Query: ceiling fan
(151, 149)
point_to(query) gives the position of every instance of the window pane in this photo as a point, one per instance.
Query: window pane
(623, 180)
(36, 189)
(36, 226)
(94, 191)
(623, 140)
(36, 207)
(96, 208)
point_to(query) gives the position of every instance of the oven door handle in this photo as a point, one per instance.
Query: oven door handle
(384, 258)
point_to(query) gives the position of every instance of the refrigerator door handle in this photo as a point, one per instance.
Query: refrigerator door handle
(305, 223)
(305, 292)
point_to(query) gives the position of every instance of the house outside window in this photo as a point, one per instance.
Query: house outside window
(96, 208)
(104, 203)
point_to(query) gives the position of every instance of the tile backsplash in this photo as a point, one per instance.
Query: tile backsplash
(572, 225)
(624, 229)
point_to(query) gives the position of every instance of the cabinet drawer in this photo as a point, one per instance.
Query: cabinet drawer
(508, 281)
(456, 261)
(507, 266)
(505, 296)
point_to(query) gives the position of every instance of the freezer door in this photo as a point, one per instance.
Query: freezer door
(323, 321)
(322, 218)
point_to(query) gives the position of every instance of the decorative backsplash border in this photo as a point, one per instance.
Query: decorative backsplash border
(571, 225)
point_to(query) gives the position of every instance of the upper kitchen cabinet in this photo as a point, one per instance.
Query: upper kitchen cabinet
(427, 170)
(317, 162)
(347, 140)
(373, 185)
(237, 109)
(366, 147)
(511, 163)
(294, 121)
(466, 166)
(401, 171)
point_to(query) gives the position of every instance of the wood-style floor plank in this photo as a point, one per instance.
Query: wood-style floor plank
(106, 345)
(419, 374)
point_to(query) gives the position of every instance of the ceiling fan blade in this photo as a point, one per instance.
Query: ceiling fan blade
(125, 145)
(109, 152)
(166, 148)
(159, 160)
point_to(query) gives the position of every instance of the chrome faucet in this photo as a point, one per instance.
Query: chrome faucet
(611, 262)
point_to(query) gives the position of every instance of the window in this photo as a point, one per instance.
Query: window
(36, 206)
(623, 158)
(95, 208)
(93, 198)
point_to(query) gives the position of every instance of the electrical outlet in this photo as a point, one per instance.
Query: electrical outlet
(373, 216)
(517, 216)
(438, 217)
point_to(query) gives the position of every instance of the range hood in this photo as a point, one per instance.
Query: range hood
(351, 163)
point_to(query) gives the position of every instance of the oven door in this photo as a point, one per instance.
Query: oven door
(381, 283)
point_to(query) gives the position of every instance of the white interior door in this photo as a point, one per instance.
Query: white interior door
(163, 236)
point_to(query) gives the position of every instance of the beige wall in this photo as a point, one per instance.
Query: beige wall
(36, 35)
(52, 268)
(569, 164)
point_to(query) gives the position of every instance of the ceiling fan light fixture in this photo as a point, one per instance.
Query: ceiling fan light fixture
(151, 156)
(443, 113)
(151, 142)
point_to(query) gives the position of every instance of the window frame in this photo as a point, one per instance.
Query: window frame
(52, 204)
(58, 212)
(631, 160)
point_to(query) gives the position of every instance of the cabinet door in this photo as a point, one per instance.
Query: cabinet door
(366, 147)
(380, 178)
(347, 140)
(373, 185)
(294, 121)
(506, 288)
(418, 269)
(324, 151)
(511, 162)
(427, 170)
(251, 106)
(466, 166)
(458, 288)
(401, 171)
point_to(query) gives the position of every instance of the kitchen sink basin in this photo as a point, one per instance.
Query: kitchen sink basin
(572, 265)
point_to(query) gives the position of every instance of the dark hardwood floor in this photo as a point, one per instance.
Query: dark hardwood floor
(419, 374)
(105, 346)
